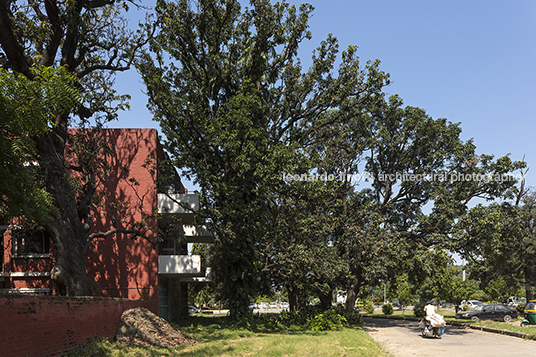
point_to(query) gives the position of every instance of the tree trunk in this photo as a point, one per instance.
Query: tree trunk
(66, 229)
(293, 297)
(325, 299)
(529, 295)
(351, 297)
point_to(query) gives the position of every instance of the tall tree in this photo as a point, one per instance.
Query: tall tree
(413, 161)
(91, 41)
(237, 109)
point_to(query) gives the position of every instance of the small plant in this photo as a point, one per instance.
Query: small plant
(328, 320)
(387, 309)
(369, 307)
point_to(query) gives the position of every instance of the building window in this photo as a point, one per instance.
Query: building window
(27, 241)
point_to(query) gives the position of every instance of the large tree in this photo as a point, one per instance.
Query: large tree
(238, 109)
(90, 40)
(422, 177)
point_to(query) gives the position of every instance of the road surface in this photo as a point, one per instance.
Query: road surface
(403, 338)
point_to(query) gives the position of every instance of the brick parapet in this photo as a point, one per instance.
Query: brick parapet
(53, 325)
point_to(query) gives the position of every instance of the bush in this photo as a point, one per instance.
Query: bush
(418, 308)
(300, 317)
(521, 307)
(328, 320)
(369, 307)
(353, 317)
(387, 309)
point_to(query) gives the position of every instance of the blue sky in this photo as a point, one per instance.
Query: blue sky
(472, 62)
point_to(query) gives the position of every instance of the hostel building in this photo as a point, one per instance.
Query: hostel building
(157, 268)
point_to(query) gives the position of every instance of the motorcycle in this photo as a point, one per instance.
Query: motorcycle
(432, 329)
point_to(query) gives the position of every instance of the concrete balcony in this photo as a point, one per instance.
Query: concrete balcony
(180, 266)
(171, 204)
(209, 277)
(197, 234)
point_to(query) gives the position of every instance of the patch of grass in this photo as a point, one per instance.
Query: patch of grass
(220, 338)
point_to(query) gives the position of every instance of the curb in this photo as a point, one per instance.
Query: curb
(522, 335)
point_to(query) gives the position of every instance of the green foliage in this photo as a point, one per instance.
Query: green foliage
(418, 307)
(238, 112)
(27, 110)
(369, 307)
(521, 307)
(328, 320)
(387, 309)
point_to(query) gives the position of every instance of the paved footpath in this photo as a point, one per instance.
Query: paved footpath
(402, 338)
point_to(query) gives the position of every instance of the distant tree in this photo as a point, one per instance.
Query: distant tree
(499, 241)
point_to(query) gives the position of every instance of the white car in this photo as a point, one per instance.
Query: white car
(193, 309)
(253, 306)
(262, 305)
(471, 303)
(284, 305)
(273, 305)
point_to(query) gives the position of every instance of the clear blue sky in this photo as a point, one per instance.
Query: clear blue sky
(471, 62)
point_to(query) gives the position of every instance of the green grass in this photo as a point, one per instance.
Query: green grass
(219, 338)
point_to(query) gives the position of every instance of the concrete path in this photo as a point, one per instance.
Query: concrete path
(403, 338)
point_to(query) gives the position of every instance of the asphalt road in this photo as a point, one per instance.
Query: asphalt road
(403, 338)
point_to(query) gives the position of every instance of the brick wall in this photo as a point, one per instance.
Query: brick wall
(52, 325)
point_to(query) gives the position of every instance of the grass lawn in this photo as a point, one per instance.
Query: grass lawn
(218, 338)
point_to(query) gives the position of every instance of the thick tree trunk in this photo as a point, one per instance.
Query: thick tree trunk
(529, 294)
(293, 297)
(66, 229)
(325, 300)
(351, 296)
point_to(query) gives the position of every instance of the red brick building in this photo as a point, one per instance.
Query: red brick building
(119, 266)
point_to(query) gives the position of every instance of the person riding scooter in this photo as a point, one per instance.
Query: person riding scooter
(432, 324)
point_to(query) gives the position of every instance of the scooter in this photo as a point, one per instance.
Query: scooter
(428, 330)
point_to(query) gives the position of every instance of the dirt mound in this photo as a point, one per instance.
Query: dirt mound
(140, 327)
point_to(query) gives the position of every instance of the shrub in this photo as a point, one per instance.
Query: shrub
(300, 317)
(387, 309)
(369, 307)
(353, 317)
(418, 307)
(328, 320)
(521, 307)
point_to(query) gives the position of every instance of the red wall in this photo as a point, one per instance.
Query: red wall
(118, 265)
(121, 266)
(52, 325)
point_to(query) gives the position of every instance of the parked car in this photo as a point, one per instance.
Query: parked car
(489, 312)
(262, 305)
(514, 302)
(253, 306)
(284, 305)
(193, 309)
(471, 303)
(273, 305)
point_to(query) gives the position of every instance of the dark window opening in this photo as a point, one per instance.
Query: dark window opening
(30, 241)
